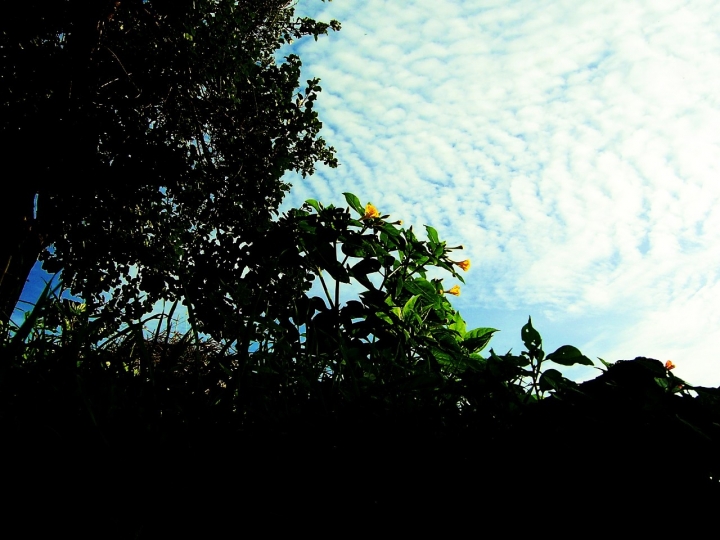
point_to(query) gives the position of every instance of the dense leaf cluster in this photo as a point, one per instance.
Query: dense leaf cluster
(149, 137)
(366, 364)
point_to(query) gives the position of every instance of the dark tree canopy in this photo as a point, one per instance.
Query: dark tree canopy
(148, 135)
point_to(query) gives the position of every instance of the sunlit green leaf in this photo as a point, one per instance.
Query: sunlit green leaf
(314, 204)
(443, 357)
(384, 317)
(458, 324)
(421, 286)
(354, 203)
(432, 234)
(409, 306)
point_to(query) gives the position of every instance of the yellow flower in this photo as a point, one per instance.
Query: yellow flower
(669, 365)
(455, 290)
(465, 265)
(370, 212)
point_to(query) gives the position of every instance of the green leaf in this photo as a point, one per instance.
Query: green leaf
(409, 307)
(604, 363)
(443, 357)
(354, 203)
(654, 366)
(364, 281)
(567, 355)
(531, 338)
(421, 286)
(458, 324)
(362, 269)
(476, 340)
(432, 234)
(314, 204)
(507, 366)
(366, 266)
(390, 229)
(551, 379)
(354, 249)
(338, 273)
(385, 318)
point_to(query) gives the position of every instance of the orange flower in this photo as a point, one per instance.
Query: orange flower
(465, 265)
(669, 365)
(455, 290)
(370, 212)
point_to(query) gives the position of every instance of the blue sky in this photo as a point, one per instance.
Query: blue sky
(572, 147)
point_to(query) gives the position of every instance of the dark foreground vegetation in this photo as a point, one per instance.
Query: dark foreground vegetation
(321, 372)
(367, 410)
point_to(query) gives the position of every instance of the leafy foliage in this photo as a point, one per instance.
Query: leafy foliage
(153, 135)
(364, 351)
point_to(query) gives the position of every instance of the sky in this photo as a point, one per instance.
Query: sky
(573, 148)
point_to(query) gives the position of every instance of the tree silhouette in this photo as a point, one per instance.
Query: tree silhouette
(149, 140)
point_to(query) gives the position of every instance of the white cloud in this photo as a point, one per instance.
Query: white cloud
(571, 147)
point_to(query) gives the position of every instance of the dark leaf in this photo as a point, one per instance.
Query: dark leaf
(551, 379)
(567, 355)
(476, 340)
(531, 338)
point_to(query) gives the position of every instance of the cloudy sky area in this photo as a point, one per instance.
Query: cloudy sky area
(572, 148)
